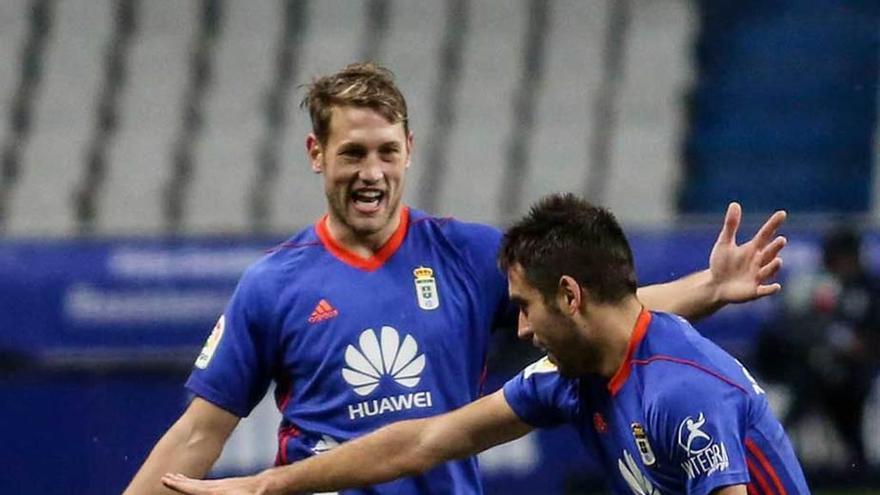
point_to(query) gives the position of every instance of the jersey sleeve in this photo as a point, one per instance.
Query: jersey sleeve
(233, 370)
(701, 420)
(540, 396)
(480, 246)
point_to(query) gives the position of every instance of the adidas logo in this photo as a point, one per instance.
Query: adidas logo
(382, 356)
(323, 311)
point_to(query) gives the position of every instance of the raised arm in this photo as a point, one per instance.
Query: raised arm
(736, 273)
(190, 446)
(402, 449)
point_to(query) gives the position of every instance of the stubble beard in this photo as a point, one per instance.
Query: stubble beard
(343, 211)
(581, 357)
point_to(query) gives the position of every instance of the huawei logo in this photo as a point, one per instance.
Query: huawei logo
(384, 355)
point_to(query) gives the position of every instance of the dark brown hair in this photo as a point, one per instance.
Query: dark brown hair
(566, 235)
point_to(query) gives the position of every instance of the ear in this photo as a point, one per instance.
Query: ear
(522, 325)
(409, 148)
(315, 152)
(570, 295)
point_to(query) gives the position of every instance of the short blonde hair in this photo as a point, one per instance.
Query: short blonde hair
(365, 84)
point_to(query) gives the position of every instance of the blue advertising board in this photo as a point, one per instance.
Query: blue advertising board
(116, 296)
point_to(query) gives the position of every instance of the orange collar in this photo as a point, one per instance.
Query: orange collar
(638, 333)
(373, 262)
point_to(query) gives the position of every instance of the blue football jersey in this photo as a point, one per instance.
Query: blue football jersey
(354, 344)
(681, 416)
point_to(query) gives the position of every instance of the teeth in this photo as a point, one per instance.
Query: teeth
(367, 196)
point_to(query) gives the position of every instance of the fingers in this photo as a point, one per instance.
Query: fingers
(173, 481)
(771, 251)
(769, 289)
(182, 484)
(770, 270)
(767, 272)
(731, 224)
(768, 230)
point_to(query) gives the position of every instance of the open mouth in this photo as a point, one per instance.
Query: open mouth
(367, 200)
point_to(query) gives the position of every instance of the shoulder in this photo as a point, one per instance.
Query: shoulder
(281, 263)
(677, 361)
(683, 372)
(295, 252)
(457, 231)
(302, 243)
(674, 387)
(685, 402)
(662, 322)
(473, 233)
(477, 243)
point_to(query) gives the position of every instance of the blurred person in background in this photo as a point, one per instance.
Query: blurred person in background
(826, 343)
(380, 312)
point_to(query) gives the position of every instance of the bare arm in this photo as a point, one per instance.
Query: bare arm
(402, 449)
(736, 273)
(693, 296)
(190, 446)
(731, 490)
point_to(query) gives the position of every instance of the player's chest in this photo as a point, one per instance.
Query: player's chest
(424, 305)
(620, 432)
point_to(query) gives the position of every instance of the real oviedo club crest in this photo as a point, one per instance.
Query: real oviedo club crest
(426, 288)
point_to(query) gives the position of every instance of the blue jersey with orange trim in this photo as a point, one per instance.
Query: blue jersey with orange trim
(354, 344)
(681, 416)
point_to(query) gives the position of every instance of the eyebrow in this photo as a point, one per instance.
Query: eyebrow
(350, 145)
(355, 145)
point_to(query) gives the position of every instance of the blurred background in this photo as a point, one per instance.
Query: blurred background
(151, 150)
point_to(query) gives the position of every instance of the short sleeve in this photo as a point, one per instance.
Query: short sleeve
(540, 396)
(480, 246)
(702, 421)
(234, 368)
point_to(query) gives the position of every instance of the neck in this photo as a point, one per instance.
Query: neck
(612, 325)
(365, 245)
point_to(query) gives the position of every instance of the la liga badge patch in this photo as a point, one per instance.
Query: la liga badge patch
(211, 344)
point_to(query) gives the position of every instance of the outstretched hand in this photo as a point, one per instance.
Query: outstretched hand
(741, 273)
(248, 485)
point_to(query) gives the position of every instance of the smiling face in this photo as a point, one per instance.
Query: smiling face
(549, 326)
(364, 162)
